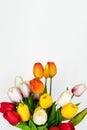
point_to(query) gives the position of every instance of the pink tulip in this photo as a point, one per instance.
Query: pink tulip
(25, 90)
(14, 94)
(79, 89)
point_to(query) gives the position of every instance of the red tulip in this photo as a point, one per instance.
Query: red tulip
(66, 126)
(5, 106)
(38, 70)
(12, 117)
(54, 128)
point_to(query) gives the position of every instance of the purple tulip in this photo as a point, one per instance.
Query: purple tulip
(78, 89)
(14, 94)
(25, 90)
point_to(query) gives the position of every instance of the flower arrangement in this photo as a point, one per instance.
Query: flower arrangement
(31, 106)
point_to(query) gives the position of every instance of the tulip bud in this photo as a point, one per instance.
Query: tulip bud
(64, 98)
(18, 81)
(25, 90)
(5, 106)
(79, 89)
(37, 86)
(45, 100)
(50, 70)
(14, 94)
(38, 70)
(12, 117)
(40, 117)
(69, 110)
(23, 111)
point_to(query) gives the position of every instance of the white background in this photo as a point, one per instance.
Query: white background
(40, 31)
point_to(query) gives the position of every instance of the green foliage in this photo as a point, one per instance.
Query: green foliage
(79, 117)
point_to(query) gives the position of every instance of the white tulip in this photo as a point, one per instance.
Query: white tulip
(18, 81)
(40, 117)
(25, 90)
(79, 89)
(64, 98)
(14, 94)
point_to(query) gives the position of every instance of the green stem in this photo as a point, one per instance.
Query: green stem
(46, 85)
(50, 86)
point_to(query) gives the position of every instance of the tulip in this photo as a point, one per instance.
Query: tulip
(5, 106)
(54, 128)
(18, 81)
(36, 86)
(45, 100)
(64, 98)
(12, 117)
(14, 94)
(79, 89)
(40, 117)
(36, 97)
(66, 126)
(38, 70)
(50, 70)
(25, 90)
(23, 111)
(69, 110)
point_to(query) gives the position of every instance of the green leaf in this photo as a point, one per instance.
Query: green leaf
(79, 117)
(52, 114)
(57, 117)
(32, 125)
(43, 127)
(23, 126)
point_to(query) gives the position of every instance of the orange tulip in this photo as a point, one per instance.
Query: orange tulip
(50, 70)
(37, 86)
(38, 70)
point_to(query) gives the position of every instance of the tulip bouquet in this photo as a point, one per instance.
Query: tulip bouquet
(31, 105)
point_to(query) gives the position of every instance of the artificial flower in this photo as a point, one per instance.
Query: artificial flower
(79, 89)
(69, 110)
(40, 117)
(7, 106)
(45, 100)
(37, 86)
(14, 94)
(25, 89)
(38, 70)
(12, 117)
(54, 128)
(23, 111)
(64, 98)
(50, 70)
(18, 80)
(66, 126)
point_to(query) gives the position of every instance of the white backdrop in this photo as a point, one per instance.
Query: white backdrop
(40, 31)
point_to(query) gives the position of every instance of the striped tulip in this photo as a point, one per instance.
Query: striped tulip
(79, 89)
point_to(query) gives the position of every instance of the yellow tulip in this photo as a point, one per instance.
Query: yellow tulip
(69, 110)
(45, 100)
(23, 111)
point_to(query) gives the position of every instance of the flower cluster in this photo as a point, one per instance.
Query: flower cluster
(31, 106)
